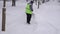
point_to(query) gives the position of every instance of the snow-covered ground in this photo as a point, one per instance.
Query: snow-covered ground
(45, 21)
(48, 18)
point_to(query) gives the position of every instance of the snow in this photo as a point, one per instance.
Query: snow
(48, 18)
(45, 20)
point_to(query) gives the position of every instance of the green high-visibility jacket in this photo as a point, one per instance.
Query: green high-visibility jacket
(28, 10)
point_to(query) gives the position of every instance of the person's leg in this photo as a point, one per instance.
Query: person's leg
(28, 18)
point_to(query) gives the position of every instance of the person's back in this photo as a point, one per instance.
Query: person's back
(29, 8)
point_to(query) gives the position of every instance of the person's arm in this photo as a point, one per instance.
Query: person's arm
(31, 7)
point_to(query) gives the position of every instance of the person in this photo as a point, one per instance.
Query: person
(29, 10)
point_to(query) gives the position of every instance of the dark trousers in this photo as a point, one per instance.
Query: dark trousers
(28, 17)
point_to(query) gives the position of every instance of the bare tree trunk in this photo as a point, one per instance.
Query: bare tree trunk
(59, 1)
(4, 2)
(47, 0)
(38, 4)
(13, 2)
(26, 0)
(43, 1)
(3, 15)
(33, 0)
